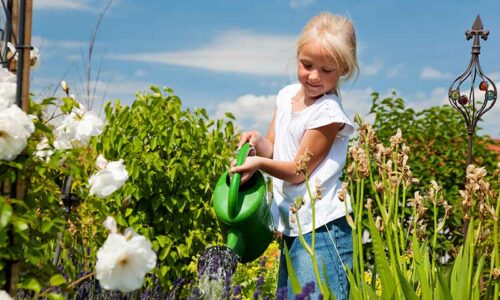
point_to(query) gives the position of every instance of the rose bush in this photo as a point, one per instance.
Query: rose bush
(158, 181)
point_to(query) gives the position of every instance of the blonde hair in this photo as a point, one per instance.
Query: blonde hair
(337, 37)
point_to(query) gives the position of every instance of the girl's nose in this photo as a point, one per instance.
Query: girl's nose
(314, 75)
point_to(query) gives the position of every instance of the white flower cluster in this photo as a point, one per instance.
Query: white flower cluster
(110, 177)
(124, 260)
(15, 125)
(77, 128)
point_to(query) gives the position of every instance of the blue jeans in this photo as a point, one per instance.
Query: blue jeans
(333, 254)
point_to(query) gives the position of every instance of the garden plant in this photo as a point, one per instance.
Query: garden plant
(120, 207)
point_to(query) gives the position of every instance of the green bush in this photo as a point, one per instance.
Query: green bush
(173, 156)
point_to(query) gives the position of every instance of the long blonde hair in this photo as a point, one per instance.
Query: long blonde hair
(337, 37)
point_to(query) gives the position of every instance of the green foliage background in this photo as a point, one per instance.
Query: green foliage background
(173, 156)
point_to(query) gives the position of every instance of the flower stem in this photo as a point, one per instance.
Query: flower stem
(70, 286)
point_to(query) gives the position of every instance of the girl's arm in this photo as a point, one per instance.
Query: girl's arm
(317, 141)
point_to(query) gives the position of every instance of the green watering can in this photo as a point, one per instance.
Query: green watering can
(243, 212)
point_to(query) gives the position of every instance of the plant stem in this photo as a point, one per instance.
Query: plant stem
(70, 286)
(359, 226)
(434, 239)
(84, 277)
(495, 257)
(357, 252)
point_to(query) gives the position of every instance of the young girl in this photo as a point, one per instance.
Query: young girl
(309, 119)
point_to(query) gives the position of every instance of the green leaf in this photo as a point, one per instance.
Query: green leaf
(387, 280)
(54, 296)
(294, 282)
(406, 286)
(47, 225)
(31, 284)
(421, 263)
(442, 290)
(459, 281)
(57, 280)
(5, 213)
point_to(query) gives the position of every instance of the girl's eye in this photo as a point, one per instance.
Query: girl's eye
(327, 71)
(307, 66)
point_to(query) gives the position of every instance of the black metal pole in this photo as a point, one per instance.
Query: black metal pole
(20, 47)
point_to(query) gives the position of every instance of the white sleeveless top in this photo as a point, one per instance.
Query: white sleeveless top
(289, 130)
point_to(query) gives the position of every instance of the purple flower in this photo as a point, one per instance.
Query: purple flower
(281, 293)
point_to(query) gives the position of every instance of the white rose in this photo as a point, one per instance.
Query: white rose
(110, 224)
(4, 295)
(90, 125)
(124, 260)
(43, 150)
(15, 129)
(8, 88)
(111, 177)
(77, 128)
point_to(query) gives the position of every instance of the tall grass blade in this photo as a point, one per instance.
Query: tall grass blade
(387, 280)
(423, 267)
(355, 292)
(328, 293)
(476, 288)
(294, 282)
(408, 291)
(442, 288)
(459, 276)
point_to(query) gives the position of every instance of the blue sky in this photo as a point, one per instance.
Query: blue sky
(235, 55)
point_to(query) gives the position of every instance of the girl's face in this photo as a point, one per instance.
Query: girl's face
(317, 71)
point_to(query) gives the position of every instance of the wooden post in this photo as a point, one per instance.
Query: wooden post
(21, 24)
(28, 12)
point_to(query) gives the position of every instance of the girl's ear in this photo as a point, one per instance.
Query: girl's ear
(345, 69)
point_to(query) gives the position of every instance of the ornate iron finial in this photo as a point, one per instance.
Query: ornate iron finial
(476, 32)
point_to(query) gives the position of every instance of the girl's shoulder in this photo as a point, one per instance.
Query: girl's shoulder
(288, 91)
(328, 109)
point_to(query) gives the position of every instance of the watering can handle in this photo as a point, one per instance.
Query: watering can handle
(235, 180)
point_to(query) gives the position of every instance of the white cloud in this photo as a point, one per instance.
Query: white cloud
(251, 111)
(301, 3)
(371, 69)
(423, 100)
(495, 76)
(357, 101)
(394, 71)
(431, 73)
(61, 5)
(42, 42)
(491, 122)
(140, 73)
(236, 51)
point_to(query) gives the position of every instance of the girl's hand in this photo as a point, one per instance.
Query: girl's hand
(254, 138)
(247, 169)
